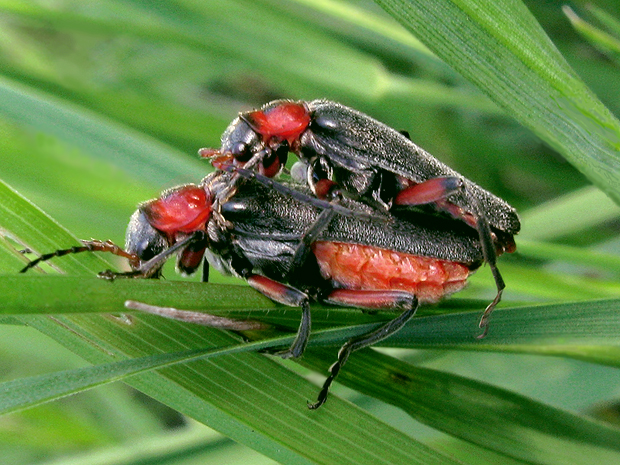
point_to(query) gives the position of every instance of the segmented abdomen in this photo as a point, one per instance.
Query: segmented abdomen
(353, 266)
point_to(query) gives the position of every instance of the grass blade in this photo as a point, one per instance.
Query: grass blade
(499, 46)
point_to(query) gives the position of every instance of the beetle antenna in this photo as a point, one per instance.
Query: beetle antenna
(303, 197)
(92, 245)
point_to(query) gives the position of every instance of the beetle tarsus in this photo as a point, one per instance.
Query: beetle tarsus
(484, 319)
(361, 342)
(110, 275)
(298, 347)
(490, 256)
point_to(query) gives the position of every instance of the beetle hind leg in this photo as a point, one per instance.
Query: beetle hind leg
(368, 300)
(436, 190)
(490, 256)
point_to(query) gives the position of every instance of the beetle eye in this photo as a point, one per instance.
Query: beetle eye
(241, 152)
(270, 158)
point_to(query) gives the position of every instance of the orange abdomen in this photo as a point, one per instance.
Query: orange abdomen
(353, 266)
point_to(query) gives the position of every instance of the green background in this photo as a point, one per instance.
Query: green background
(103, 104)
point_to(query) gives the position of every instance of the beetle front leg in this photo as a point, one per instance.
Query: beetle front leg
(371, 300)
(292, 297)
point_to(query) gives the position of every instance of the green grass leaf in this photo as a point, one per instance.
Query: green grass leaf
(607, 43)
(248, 397)
(144, 158)
(493, 418)
(499, 47)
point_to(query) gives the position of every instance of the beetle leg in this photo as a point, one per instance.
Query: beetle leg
(292, 297)
(152, 266)
(304, 248)
(437, 190)
(429, 191)
(190, 258)
(305, 198)
(490, 256)
(368, 300)
(205, 271)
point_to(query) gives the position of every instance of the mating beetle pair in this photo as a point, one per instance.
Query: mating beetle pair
(345, 152)
(293, 247)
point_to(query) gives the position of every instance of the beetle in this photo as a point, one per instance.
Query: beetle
(346, 152)
(256, 233)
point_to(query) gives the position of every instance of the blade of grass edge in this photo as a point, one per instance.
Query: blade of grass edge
(500, 47)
